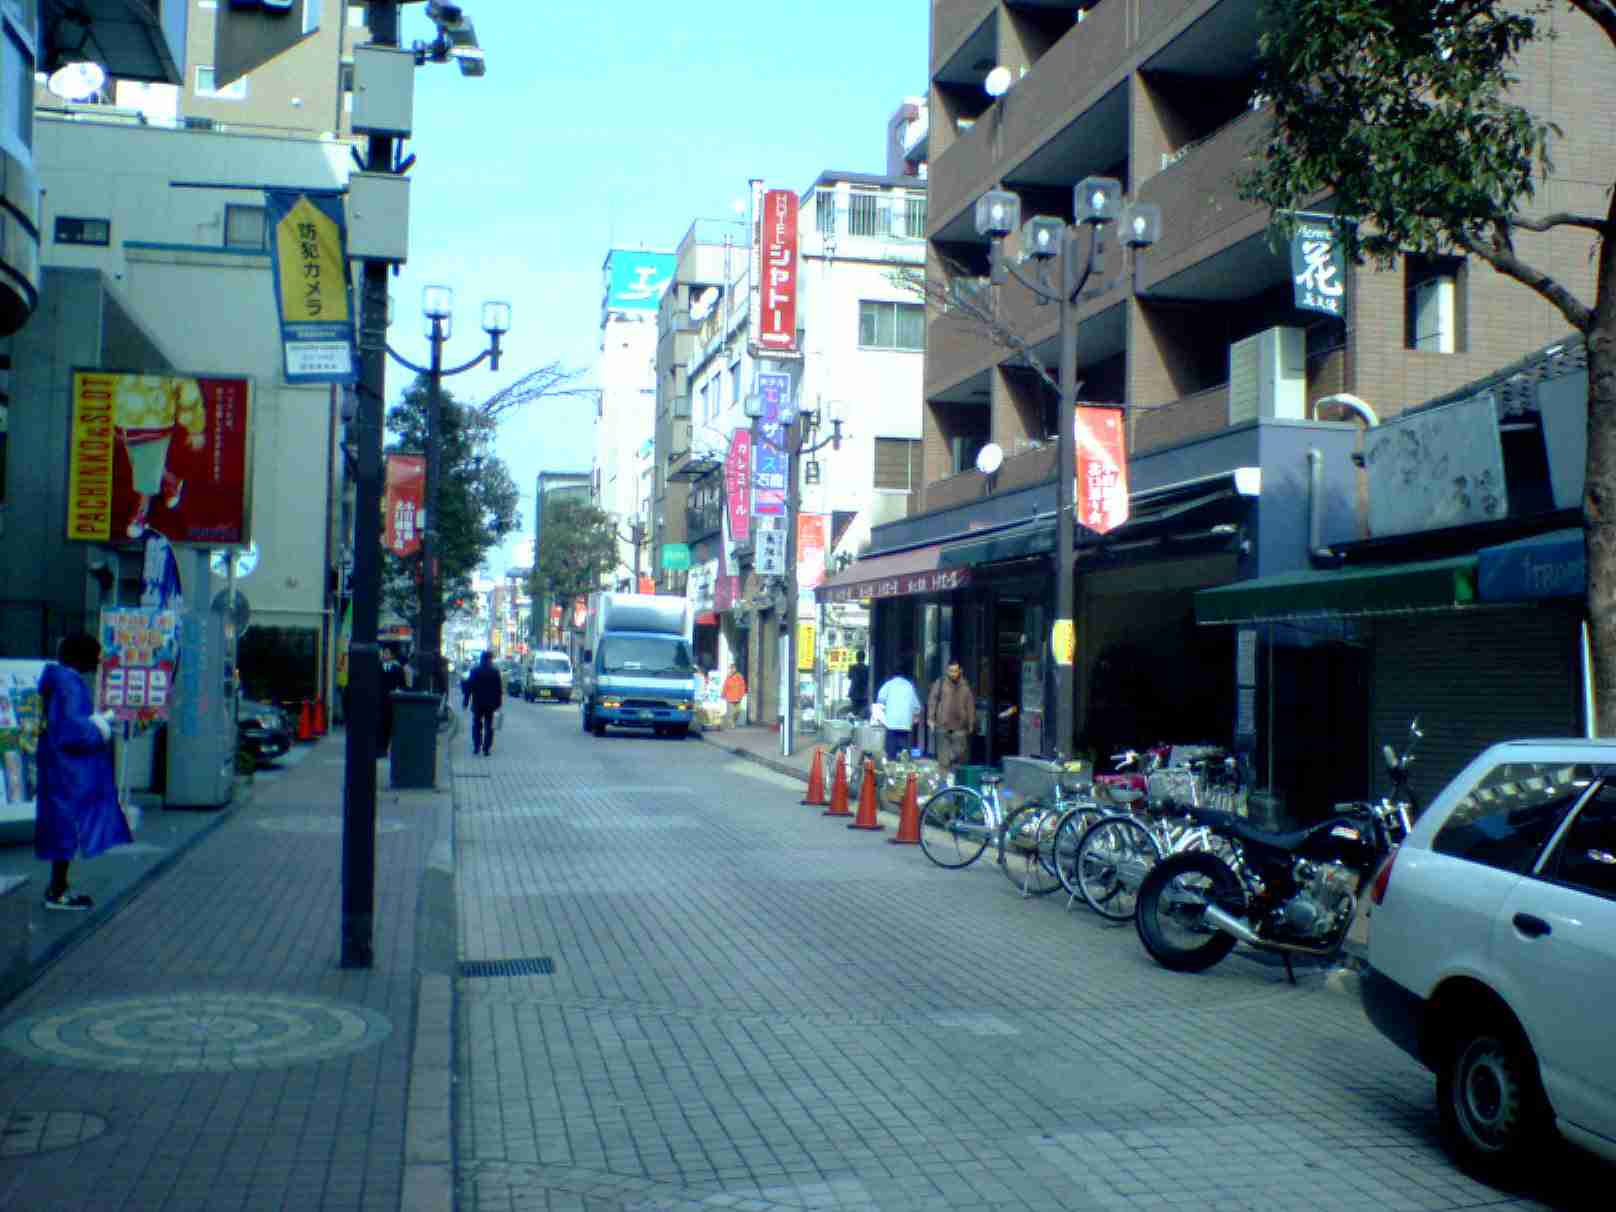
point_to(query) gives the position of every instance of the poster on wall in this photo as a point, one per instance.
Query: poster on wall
(1102, 468)
(139, 652)
(158, 452)
(404, 504)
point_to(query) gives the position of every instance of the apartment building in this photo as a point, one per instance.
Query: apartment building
(1236, 470)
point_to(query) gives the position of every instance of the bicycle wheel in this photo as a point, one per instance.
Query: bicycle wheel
(1027, 849)
(1113, 859)
(954, 827)
(1069, 831)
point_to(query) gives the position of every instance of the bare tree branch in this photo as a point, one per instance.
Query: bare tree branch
(1561, 219)
(552, 381)
(1498, 253)
(981, 312)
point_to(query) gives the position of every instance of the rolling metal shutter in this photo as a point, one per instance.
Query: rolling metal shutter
(1472, 677)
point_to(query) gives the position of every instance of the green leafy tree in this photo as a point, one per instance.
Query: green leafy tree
(577, 548)
(1405, 112)
(477, 498)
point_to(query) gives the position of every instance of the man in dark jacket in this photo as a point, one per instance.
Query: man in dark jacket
(858, 686)
(484, 691)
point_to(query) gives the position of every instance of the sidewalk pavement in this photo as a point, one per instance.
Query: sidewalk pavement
(194, 1043)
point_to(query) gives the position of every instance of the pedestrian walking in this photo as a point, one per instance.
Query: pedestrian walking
(900, 705)
(392, 679)
(951, 712)
(484, 692)
(734, 692)
(858, 686)
(77, 811)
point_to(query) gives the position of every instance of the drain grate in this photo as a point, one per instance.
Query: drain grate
(537, 965)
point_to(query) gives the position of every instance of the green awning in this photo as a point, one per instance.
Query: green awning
(1035, 539)
(1382, 589)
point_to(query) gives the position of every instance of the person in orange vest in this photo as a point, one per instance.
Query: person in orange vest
(734, 692)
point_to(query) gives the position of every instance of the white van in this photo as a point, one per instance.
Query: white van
(549, 677)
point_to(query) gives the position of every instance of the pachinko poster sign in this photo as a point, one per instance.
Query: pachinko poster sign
(1102, 469)
(158, 452)
(139, 652)
(404, 504)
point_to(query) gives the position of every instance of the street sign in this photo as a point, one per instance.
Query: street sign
(675, 556)
(770, 558)
(244, 39)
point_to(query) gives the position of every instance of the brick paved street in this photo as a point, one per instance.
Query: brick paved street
(754, 1007)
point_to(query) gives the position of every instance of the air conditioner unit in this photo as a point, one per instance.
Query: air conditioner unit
(1433, 315)
(1268, 376)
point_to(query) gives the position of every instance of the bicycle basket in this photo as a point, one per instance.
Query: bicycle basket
(1174, 786)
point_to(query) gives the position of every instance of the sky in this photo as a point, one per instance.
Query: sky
(616, 125)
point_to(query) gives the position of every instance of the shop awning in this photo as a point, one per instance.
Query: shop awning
(1553, 565)
(900, 574)
(1383, 589)
(1018, 542)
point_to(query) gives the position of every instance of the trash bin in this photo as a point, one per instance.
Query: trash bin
(971, 776)
(415, 740)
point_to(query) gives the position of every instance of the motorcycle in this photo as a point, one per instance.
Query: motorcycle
(1293, 893)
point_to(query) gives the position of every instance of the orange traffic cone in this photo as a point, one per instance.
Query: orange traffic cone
(838, 790)
(816, 781)
(866, 813)
(305, 723)
(319, 717)
(908, 816)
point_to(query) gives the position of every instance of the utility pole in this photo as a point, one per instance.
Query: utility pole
(364, 665)
(430, 643)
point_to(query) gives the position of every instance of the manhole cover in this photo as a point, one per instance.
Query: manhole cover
(24, 1132)
(329, 826)
(196, 1033)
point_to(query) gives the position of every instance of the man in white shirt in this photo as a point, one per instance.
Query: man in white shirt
(901, 705)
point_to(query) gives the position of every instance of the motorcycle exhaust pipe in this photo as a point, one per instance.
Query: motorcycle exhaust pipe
(1230, 924)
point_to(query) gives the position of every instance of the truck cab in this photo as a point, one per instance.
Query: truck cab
(637, 670)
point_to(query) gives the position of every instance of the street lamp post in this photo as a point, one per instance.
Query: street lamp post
(1096, 203)
(800, 427)
(437, 306)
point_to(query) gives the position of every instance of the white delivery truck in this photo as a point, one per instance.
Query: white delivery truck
(636, 668)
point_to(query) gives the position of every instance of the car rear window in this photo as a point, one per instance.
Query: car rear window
(1586, 856)
(551, 665)
(1511, 813)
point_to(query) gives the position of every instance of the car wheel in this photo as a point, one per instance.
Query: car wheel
(1490, 1098)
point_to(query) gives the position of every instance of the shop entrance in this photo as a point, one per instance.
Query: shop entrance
(1009, 637)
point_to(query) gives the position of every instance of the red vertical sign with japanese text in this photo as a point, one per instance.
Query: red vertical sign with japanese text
(1102, 468)
(777, 281)
(404, 504)
(738, 485)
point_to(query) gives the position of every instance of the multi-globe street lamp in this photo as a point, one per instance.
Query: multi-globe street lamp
(1096, 203)
(437, 307)
(799, 427)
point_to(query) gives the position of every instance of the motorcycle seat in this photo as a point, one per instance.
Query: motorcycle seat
(1233, 826)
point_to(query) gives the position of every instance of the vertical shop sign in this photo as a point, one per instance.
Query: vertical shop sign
(1102, 469)
(738, 485)
(810, 550)
(309, 267)
(769, 461)
(404, 504)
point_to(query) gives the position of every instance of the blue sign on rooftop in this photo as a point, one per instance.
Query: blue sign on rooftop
(636, 278)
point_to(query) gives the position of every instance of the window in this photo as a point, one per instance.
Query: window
(825, 211)
(236, 90)
(1510, 815)
(897, 464)
(356, 16)
(869, 214)
(1586, 856)
(914, 217)
(1432, 304)
(892, 325)
(244, 227)
(735, 381)
(83, 231)
(345, 78)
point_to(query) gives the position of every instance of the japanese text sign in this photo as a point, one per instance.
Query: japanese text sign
(139, 653)
(811, 536)
(1318, 269)
(404, 504)
(158, 452)
(738, 484)
(1102, 468)
(770, 463)
(310, 272)
(774, 271)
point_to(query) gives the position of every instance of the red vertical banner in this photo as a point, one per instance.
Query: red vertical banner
(810, 550)
(738, 485)
(777, 279)
(1102, 468)
(404, 504)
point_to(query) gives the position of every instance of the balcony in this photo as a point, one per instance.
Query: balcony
(1035, 466)
(958, 176)
(1160, 16)
(1070, 80)
(952, 20)
(1192, 416)
(956, 349)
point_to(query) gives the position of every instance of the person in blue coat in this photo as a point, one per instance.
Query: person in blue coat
(77, 809)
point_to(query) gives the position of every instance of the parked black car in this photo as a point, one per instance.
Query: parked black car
(263, 730)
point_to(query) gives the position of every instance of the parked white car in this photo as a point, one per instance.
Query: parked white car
(549, 678)
(1492, 950)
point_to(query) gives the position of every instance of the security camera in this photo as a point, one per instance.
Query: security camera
(446, 16)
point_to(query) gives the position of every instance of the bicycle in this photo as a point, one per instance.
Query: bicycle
(958, 823)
